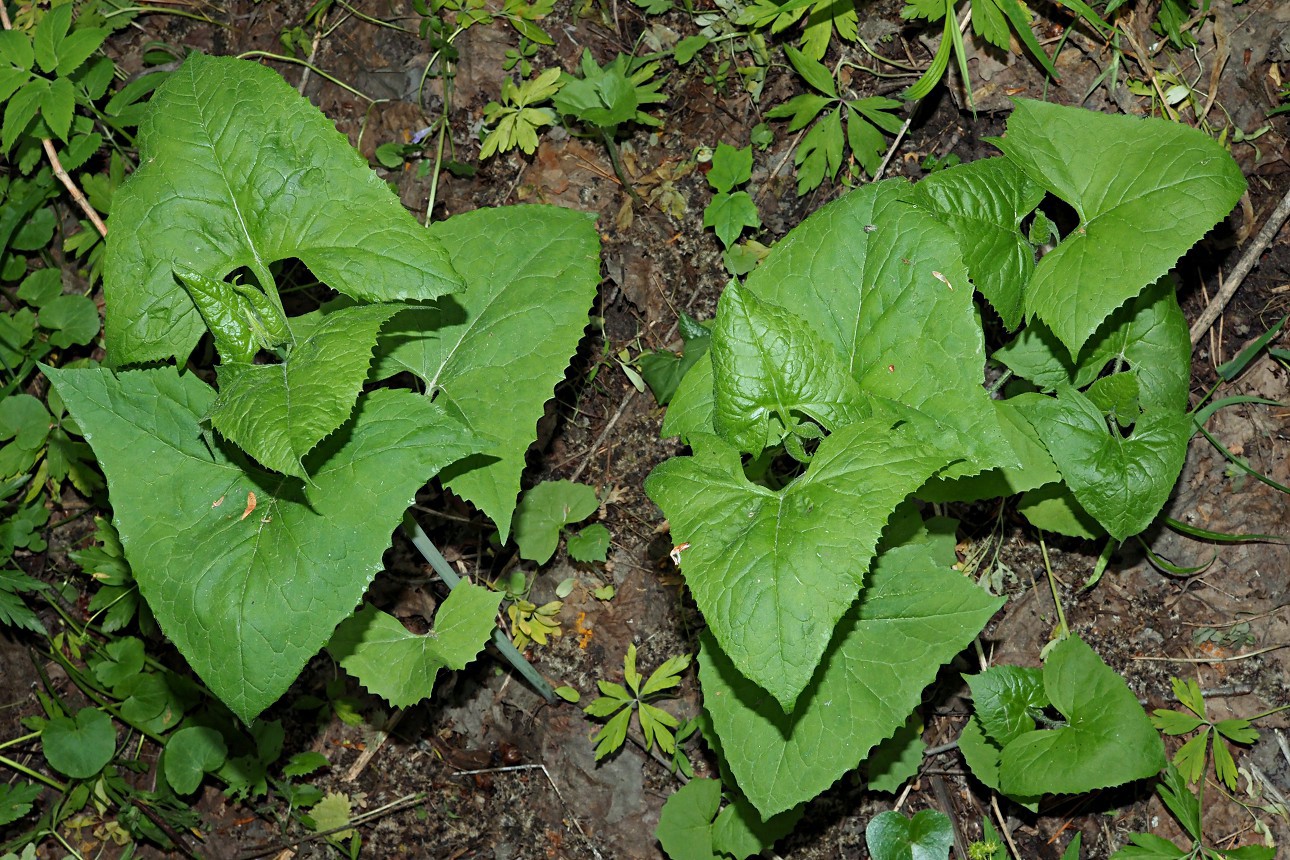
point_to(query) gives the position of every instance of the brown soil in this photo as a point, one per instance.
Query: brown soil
(509, 776)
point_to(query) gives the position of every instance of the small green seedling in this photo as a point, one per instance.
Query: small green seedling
(1186, 807)
(546, 510)
(616, 704)
(820, 152)
(606, 97)
(730, 211)
(1190, 758)
(516, 119)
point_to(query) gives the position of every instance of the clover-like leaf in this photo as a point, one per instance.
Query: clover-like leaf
(277, 413)
(914, 615)
(191, 753)
(545, 510)
(768, 365)
(401, 666)
(1139, 212)
(238, 170)
(773, 572)
(985, 202)
(1122, 482)
(685, 824)
(245, 575)
(1108, 739)
(493, 354)
(79, 747)
(929, 835)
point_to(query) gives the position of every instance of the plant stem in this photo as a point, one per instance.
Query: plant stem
(1062, 630)
(608, 137)
(440, 564)
(26, 771)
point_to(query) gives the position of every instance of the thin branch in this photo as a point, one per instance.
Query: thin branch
(1243, 268)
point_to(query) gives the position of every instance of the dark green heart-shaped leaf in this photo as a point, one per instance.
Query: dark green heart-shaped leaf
(80, 747)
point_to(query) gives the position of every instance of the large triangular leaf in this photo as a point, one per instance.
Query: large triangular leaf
(1146, 190)
(1123, 482)
(915, 615)
(985, 202)
(873, 274)
(245, 576)
(494, 354)
(237, 169)
(772, 571)
(1108, 739)
(401, 666)
(277, 413)
(769, 365)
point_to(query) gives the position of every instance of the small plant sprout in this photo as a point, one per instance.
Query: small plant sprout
(606, 97)
(617, 702)
(516, 119)
(1191, 756)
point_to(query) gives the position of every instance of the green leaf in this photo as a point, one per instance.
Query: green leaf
(71, 320)
(1053, 508)
(16, 801)
(685, 824)
(545, 510)
(49, 36)
(690, 411)
(770, 366)
(25, 420)
(1237, 730)
(401, 666)
(277, 413)
(305, 763)
(1139, 211)
(1145, 846)
(871, 296)
(802, 108)
(773, 572)
(915, 614)
(603, 97)
(57, 105)
(1116, 397)
(1038, 356)
(730, 167)
(123, 658)
(613, 735)
(897, 759)
(41, 287)
(80, 747)
(985, 202)
(729, 214)
(1184, 805)
(1175, 722)
(1004, 699)
(1107, 741)
(663, 369)
(1190, 758)
(190, 754)
(819, 155)
(20, 111)
(237, 169)
(812, 71)
(1150, 336)
(929, 835)
(740, 831)
(493, 354)
(589, 545)
(686, 49)
(76, 48)
(982, 756)
(275, 573)
(1122, 482)
(17, 49)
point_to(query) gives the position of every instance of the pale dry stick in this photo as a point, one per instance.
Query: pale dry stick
(372, 749)
(1248, 261)
(313, 55)
(72, 187)
(622, 407)
(1232, 659)
(792, 147)
(554, 787)
(1003, 826)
